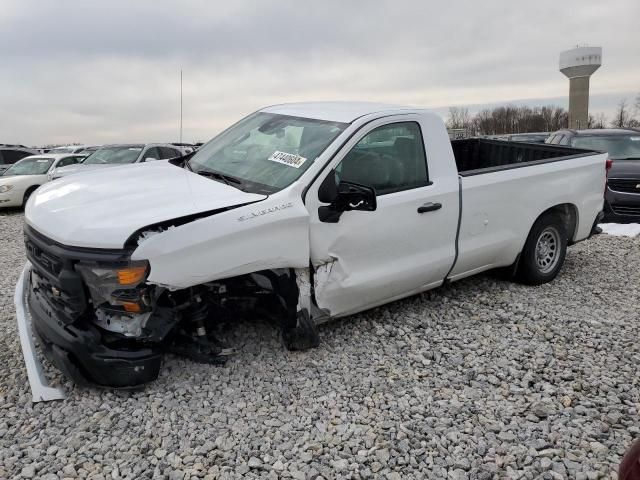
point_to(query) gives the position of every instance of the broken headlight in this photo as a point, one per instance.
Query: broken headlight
(118, 286)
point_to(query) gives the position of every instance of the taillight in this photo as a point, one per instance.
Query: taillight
(607, 167)
(609, 164)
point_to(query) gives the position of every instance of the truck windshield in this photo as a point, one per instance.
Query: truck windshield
(113, 155)
(265, 152)
(618, 146)
(30, 166)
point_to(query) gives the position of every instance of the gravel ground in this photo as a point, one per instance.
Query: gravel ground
(483, 379)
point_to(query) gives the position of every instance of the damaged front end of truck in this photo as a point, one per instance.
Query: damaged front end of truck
(107, 316)
(152, 258)
(102, 323)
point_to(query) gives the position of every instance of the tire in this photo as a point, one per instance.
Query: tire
(304, 336)
(544, 251)
(27, 194)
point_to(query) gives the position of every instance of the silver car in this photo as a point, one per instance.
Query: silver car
(122, 154)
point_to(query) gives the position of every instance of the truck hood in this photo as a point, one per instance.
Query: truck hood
(102, 211)
(625, 169)
(71, 169)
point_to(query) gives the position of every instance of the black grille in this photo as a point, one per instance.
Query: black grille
(53, 277)
(626, 210)
(69, 304)
(42, 259)
(626, 185)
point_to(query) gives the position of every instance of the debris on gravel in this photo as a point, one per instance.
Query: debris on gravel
(481, 379)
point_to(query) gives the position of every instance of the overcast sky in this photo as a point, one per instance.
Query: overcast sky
(109, 71)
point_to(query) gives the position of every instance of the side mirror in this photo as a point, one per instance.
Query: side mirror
(349, 196)
(328, 190)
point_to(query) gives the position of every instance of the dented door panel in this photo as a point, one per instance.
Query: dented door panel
(367, 258)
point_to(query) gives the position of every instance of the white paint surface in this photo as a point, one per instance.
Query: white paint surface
(102, 209)
(499, 208)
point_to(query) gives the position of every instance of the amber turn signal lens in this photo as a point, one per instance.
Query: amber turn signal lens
(131, 307)
(131, 275)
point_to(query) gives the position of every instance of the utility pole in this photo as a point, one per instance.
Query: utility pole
(180, 105)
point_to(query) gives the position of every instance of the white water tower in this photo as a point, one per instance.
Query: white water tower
(579, 64)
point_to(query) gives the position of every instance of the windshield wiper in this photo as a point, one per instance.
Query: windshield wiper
(227, 179)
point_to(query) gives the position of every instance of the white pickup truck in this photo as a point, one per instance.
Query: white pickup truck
(304, 212)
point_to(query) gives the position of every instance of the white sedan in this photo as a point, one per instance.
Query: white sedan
(23, 177)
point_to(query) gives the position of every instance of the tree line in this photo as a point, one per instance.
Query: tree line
(522, 119)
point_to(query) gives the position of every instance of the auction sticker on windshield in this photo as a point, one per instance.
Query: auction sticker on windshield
(290, 159)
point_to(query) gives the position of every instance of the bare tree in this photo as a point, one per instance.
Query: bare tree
(622, 115)
(459, 118)
(597, 121)
(509, 119)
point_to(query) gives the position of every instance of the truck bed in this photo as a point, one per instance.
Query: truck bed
(478, 155)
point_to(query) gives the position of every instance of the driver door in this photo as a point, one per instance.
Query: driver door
(407, 244)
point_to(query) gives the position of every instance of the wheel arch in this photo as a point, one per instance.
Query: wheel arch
(28, 192)
(569, 214)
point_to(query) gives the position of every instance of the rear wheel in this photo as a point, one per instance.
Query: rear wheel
(544, 252)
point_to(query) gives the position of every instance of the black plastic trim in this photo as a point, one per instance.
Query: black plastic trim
(500, 168)
(457, 244)
(81, 355)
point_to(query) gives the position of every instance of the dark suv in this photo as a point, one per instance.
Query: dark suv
(10, 155)
(622, 197)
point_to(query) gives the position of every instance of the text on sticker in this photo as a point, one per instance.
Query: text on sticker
(290, 159)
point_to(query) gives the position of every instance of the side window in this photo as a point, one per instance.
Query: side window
(564, 140)
(12, 156)
(167, 152)
(556, 140)
(67, 161)
(390, 158)
(152, 152)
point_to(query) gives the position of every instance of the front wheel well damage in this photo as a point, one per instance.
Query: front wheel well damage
(191, 321)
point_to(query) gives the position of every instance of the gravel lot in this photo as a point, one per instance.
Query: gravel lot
(483, 379)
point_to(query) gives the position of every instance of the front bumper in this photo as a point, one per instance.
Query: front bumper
(621, 207)
(77, 349)
(12, 199)
(40, 389)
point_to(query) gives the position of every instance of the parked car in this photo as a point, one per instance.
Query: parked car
(186, 148)
(10, 155)
(622, 197)
(114, 155)
(74, 149)
(22, 178)
(305, 212)
(532, 137)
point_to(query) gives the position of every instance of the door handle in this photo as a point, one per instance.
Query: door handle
(429, 207)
